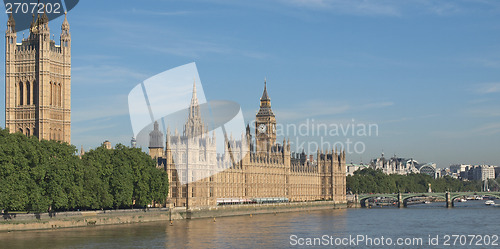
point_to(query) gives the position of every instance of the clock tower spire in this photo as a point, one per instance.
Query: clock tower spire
(265, 123)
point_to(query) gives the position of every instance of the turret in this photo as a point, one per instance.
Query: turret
(167, 138)
(11, 24)
(156, 142)
(65, 36)
(82, 152)
(10, 69)
(133, 142)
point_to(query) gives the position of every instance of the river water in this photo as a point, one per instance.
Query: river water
(418, 226)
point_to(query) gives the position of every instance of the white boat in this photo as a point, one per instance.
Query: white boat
(427, 202)
(462, 200)
(489, 202)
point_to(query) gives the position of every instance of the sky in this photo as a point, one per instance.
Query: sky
(425, 72)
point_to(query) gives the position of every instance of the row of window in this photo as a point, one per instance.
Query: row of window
(27, 93)
(56, 94)
(54, 134)
(223, 192)
(28, 131)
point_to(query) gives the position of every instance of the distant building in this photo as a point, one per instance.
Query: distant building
(457, 168)
(459, 171)
(429, 169)
(471, 172)
(395, 165)
(82, 152)
(107, 145)
(351, 168)
(482, 172)
(448, 172)
(133, 142)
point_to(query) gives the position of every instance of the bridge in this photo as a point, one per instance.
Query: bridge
(404, 197)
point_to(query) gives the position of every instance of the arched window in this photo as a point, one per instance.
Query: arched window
(35, 95)
(51, 93)
(54, 94)
(21, 93)
(21, 130)
(59, 94)
(28, 93)
(28, 132)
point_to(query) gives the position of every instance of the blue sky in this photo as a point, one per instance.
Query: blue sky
(426, 72)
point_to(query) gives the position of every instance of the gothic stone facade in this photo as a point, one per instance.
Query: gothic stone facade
(38, 81)
(267, 169)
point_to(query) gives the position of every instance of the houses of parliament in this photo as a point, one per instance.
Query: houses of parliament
(255, 166)
(38, 81)
(268, 170)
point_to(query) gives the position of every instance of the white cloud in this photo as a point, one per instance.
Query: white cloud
(99, 107)
(161, 13)
(410, 118)
(376, 105)
(394, 7)
(322, 108)
(489, 88)
(356, 7)
(488, 111)
(105, 74)
(488, 129)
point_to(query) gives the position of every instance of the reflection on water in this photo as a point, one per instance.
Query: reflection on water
(269, 230)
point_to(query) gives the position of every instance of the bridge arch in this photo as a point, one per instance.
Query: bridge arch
(462, 194)
(408, 196)
(403, 197)
(363, 198)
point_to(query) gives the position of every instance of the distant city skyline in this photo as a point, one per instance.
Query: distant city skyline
(425, 72)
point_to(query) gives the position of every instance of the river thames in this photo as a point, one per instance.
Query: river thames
(469, 224)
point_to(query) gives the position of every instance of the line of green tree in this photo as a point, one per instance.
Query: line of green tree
(369, 180)
(41, 176)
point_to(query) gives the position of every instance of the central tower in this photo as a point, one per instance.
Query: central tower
(265, 124)
(194, 125)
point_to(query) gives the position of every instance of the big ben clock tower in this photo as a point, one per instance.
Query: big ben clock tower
(265, 124)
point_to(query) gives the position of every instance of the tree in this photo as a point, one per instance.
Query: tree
(375, 181)
(40, 176)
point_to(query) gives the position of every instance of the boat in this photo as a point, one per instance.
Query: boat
(427, 202)
(462, 200)
(489, 202)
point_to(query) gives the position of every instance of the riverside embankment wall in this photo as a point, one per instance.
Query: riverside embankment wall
(19, 222)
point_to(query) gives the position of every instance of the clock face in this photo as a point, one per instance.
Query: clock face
(262, 128)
